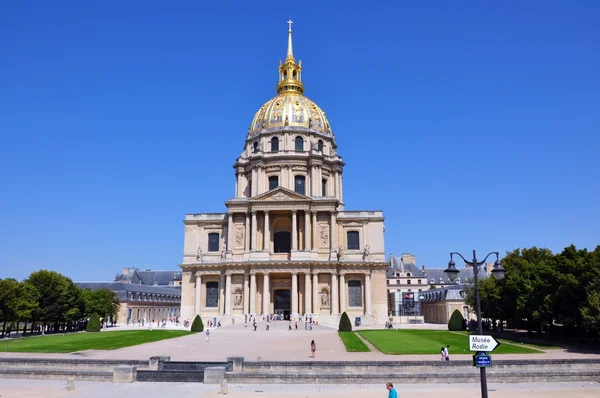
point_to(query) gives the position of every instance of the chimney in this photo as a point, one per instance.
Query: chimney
(423, 268)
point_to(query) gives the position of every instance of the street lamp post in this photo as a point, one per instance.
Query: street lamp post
(498, 273)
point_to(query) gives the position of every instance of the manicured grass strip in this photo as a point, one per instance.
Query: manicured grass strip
(88, 341)
(352, 342)
(515, 340)
(429, 342)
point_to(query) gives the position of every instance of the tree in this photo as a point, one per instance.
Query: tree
(456, 321)
(197, 325)
(93, 324)
(102, 302)
(591, 311)
(345, 324)
(18, 300)
(59, 300)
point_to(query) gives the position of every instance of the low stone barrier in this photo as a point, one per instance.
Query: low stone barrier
(124, 374)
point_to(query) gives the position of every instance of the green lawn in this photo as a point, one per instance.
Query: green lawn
(429, 342)
(517, 341)
(352, 342)
(87, 341)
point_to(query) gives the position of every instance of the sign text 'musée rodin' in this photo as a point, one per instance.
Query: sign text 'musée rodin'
(482, 343)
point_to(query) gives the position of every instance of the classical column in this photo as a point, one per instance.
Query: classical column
(259, 179)
(307, 306)
(252, 293)
(246, 293)
(341, 188)
(253, 247)
(228, 294)
(237, 184)
(315, 295)
(254, 182)
(368, 293)
(222, 294)
(315, 233)
(294, 294)
(265, 297)
(230, 232)
(313, 177)
(290, 178)
(294, 231)
(342, 293)
(247, 234)
(306, 231)
(333, 231)
(267, 233)
(334, 294)
(197, 297)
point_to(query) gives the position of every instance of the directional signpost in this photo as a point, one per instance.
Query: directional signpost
(482, 343)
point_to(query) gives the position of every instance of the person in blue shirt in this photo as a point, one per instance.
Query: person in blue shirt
(392, 392)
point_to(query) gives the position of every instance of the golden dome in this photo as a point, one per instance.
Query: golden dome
(290, 107)
(290, 110)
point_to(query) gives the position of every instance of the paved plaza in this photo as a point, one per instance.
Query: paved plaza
(56, 389)
(276, 344)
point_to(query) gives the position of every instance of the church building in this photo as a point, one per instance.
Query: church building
(286, 244)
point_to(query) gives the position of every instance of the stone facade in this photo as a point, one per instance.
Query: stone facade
(140, 302)
(286, 245)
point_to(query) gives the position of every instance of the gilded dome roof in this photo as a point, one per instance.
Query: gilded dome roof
(290, 110)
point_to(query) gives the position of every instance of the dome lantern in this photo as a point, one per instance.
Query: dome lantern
(290, 72)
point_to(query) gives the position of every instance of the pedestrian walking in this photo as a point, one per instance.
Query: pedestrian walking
(290, 326)
(207, 335)
(313, 348)
(447, 352)
(392, 391)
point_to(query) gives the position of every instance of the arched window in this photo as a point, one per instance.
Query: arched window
(320, 146)
(274, 144)
(353, 240)
(299, 185)
(255, 146)
(324, 187)
(213, 242)
(273, 182)
(299, 144)
(354, 294)
(212, 294)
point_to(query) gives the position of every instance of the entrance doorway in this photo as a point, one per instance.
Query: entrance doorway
(283, 303)
(282, 242)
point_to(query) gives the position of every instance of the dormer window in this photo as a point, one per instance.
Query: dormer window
(273, 182)
(320, 146)
(255, 147)
(299, 184)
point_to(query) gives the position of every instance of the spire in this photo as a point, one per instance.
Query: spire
(290, 72)
(290, 53)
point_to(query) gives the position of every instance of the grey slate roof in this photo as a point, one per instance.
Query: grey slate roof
(465, 275)
(397, 266)
(122, 288)
(445, 293)
(149, 277)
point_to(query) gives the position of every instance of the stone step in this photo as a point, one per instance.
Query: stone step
(56, 374)
(408, 377)
(66, 364)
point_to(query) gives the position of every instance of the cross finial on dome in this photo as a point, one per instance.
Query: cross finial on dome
(290, 53)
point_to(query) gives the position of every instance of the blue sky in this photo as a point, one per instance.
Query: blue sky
(473, 125)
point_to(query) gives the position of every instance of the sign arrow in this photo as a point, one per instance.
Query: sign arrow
(482, 343)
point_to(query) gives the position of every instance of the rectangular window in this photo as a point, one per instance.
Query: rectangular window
(323, 187)
(354, 294)
(273, 182)
(299, 185)
(213, 242)
(408, 282)
(212, 294)
(353, 240)
(419, 281)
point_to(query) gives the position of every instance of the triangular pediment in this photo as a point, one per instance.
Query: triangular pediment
(279, 194)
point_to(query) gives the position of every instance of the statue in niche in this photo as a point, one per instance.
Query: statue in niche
(223, 254)
(199, 254)
(324, 235)
(324, 298)
(287, 121)
(309, 122)
(340, 253)
(314, 146)
(239, 238)
(237, 301)
(367, 252)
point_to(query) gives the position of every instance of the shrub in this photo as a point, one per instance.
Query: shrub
(456, 321)
(345, 324)
(93, 324)
(197, 325)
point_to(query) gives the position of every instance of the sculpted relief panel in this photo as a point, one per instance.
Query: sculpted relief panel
(239, 237)
(324, 236)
